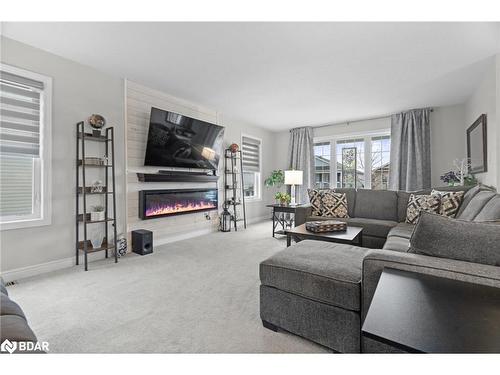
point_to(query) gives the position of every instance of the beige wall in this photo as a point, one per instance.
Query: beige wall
(78, 91)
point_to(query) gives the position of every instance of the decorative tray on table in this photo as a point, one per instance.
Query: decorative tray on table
(326, 226)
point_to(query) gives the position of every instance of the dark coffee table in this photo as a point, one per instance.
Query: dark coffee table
(429, 314)
(352, 236)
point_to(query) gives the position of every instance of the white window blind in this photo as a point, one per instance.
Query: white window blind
(20, 115)
(20, 119)
(251, 154)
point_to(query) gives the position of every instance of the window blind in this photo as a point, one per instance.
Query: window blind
(16, 186)
(19, 115)
(251, 154)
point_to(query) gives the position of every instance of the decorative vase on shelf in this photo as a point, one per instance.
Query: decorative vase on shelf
(95, 236)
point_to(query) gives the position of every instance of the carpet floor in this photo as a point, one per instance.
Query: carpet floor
(195, 296)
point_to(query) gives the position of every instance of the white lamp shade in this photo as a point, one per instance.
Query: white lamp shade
(293, 177)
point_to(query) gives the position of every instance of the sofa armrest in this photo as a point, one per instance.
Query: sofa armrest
(302, 212)
(376, 260)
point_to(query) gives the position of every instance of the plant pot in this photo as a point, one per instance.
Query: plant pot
(284, 203)
(97, 216)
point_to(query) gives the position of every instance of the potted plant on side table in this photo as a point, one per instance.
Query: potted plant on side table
(283, 198)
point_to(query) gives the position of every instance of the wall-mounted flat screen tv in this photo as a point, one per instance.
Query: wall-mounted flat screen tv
(176, 140)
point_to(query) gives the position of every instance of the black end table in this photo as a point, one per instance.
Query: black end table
(351, 236)
(280, 219)
(429, 314)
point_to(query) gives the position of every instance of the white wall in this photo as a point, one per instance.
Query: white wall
(78, 91)
(448, 140)
(484, 100)
(140, 99)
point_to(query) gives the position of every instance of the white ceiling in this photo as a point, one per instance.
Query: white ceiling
(283, 75)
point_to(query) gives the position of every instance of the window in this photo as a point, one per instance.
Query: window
(322, 165)
(380, 158)
(251, 154)
(362, 161)
(25, 121)
(350, 163)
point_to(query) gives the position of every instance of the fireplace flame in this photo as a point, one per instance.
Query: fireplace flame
(164, 209)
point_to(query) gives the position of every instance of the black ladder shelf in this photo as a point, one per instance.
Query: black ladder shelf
(233, 184)
(83, 218)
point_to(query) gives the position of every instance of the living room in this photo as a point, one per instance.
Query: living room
(250, 187)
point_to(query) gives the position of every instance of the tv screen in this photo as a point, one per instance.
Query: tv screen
(175, 140)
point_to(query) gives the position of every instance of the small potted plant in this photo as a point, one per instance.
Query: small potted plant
(283, 198)
(450, 178)
(97, 213)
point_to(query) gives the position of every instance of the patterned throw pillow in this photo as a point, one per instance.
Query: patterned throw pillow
(417, 203)
(315, 200)
(450, 202)
(334, 204)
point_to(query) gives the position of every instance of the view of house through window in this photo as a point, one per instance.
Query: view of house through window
(322, 165)
(360, 162)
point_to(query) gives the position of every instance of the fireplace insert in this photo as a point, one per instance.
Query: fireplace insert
(160, 203)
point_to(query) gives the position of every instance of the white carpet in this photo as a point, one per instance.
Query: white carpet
(194, 296)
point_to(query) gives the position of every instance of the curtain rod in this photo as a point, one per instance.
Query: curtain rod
(357, 120)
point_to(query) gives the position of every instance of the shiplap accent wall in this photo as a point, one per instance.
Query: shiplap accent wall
(139, 100)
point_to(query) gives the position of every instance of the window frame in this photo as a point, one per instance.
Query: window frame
(257, 175)
(42, 175)
(367, 138)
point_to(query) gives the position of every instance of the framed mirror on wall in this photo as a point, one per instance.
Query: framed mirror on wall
(477, 152)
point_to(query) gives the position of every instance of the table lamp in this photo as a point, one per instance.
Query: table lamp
(293, 178)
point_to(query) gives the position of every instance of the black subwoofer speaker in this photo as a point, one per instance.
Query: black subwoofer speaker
(142, 241)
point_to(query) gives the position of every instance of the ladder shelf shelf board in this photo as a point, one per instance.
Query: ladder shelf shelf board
(234, 194)
(85, 190)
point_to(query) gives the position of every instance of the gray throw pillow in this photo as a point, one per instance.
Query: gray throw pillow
(443, 237)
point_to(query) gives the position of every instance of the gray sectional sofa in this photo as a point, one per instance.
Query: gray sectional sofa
(322, 291)
(13, 323)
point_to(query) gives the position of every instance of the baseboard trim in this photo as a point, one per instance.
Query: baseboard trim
(181, 237)
(39, 269)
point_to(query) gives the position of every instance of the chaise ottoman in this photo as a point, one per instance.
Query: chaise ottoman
(313, 289)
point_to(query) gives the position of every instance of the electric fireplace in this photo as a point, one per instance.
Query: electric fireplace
(160, 203)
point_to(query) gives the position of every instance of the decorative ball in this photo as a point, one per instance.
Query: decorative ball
(234, 147)
(97, 121)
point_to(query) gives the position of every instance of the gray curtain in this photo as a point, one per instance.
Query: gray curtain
(410, 150)
(301, 158)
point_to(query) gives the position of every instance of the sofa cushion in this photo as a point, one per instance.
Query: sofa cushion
(490, 211)
(376, 204)
(403, 198)
(476, 204)
(315, 200)
(403, 230)
(421, 203)
(469, 194)
(351, 198)
(334, 204)
(321, 271)
(9, 307)
(396, 243)
(15, 328)
(450, 202)
(443, 237)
